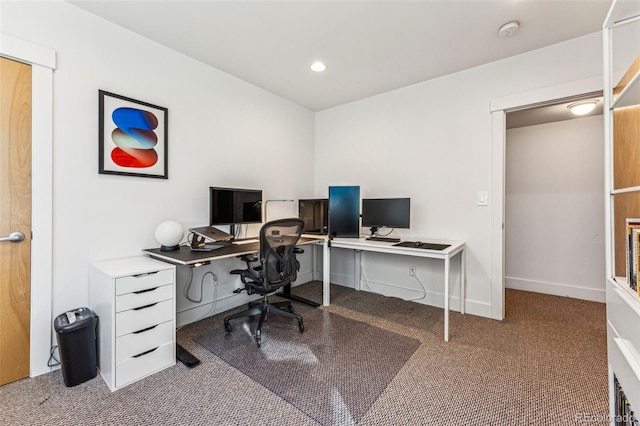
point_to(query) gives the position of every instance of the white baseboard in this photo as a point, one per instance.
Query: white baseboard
(556, 289)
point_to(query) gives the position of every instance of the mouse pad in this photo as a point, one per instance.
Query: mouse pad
(428, 246)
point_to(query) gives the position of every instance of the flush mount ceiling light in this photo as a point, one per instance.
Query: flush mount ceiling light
(582, 107)
(318, 66)
(509, 29)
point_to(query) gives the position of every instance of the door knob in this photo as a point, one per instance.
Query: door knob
(14, 237)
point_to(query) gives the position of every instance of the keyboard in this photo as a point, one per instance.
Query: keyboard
(385, 239)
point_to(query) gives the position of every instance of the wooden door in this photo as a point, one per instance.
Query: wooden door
(15, 216)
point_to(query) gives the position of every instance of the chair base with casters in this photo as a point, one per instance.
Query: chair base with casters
(265, 309)
(275, 267)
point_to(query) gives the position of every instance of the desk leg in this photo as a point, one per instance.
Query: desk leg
(286, 290)
(463, 278)
(357, 265)
(314, 263)
(447, 270)
(326, 273)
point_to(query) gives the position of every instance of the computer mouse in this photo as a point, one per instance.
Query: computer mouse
(418, 244)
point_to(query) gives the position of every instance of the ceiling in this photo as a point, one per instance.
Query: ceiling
(369, 47)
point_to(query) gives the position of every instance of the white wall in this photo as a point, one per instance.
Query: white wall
(554, 225)
(222, 132)
(432, 142)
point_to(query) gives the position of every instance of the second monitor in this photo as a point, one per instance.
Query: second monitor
(386, 212)
(315, 214)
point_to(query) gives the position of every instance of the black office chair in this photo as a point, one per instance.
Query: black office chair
(277, 267)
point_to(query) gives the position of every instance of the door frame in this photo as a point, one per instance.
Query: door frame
(499, 107)
(43, 63)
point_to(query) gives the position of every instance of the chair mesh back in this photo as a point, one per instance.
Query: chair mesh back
(278, 239)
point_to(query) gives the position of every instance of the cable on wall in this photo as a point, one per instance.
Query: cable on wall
(215, 292)
(424, 290)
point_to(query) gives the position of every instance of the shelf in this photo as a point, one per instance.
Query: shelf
(622, 140)
(627, 92)
(625, 190)
(630, 295)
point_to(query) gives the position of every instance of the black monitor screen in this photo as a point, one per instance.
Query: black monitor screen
(315, 213)
(229, 206)
(387, 212)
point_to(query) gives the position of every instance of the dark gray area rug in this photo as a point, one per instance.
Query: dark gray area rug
(333, 372)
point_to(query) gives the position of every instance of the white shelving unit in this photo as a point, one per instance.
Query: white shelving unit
(622, 177)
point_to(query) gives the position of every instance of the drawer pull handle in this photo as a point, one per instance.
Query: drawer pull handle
(144, 353)
(145, 329)
(145, 290)
(145, 306)
(145, 274)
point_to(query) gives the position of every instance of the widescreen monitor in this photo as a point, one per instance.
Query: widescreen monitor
(231, 206)
(386, 212)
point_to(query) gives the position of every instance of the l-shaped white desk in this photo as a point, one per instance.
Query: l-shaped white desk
(186, 257)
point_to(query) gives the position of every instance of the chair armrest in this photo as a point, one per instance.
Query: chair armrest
(298, 250)
(249, 258)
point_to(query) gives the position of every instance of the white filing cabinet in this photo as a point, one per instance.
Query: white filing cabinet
(134, 299)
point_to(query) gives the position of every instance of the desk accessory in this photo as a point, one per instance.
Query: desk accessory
(421, 245)
(169, 234)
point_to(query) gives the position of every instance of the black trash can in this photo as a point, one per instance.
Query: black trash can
(76, 334)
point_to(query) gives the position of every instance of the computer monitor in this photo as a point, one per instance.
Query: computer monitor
(231, 206)
(315, 214)
(344, 211)
(386, 212)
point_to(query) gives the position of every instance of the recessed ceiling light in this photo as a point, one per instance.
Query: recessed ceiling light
(582, 107)
(318, 66)
(509, 29)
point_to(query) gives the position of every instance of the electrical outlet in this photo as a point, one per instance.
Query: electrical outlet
(412, 271)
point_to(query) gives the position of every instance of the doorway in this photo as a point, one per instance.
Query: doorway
(499, 108)
(43, 62)
(15, 219)
(554, 209)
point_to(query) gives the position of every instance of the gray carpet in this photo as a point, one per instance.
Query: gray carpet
(545, 364)
(333, 372)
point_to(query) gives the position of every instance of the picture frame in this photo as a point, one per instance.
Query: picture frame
(133, 137)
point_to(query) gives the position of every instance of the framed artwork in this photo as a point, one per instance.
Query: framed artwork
(133, 137)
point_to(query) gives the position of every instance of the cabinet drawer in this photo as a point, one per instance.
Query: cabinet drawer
(140, 341)
(136, 367)
(622, 315)
(143, 281)
(625, 365)
(144, 297)
(141, 318)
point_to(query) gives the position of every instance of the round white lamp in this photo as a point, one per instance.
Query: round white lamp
(169, 234)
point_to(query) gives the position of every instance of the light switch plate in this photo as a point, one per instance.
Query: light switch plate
(483, 198)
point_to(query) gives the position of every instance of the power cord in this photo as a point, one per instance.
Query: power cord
(424, 290)
(215, 292)
(378, 234)
(52, 357)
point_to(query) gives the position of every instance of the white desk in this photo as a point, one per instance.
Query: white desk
(362, 244)
(187, 257)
